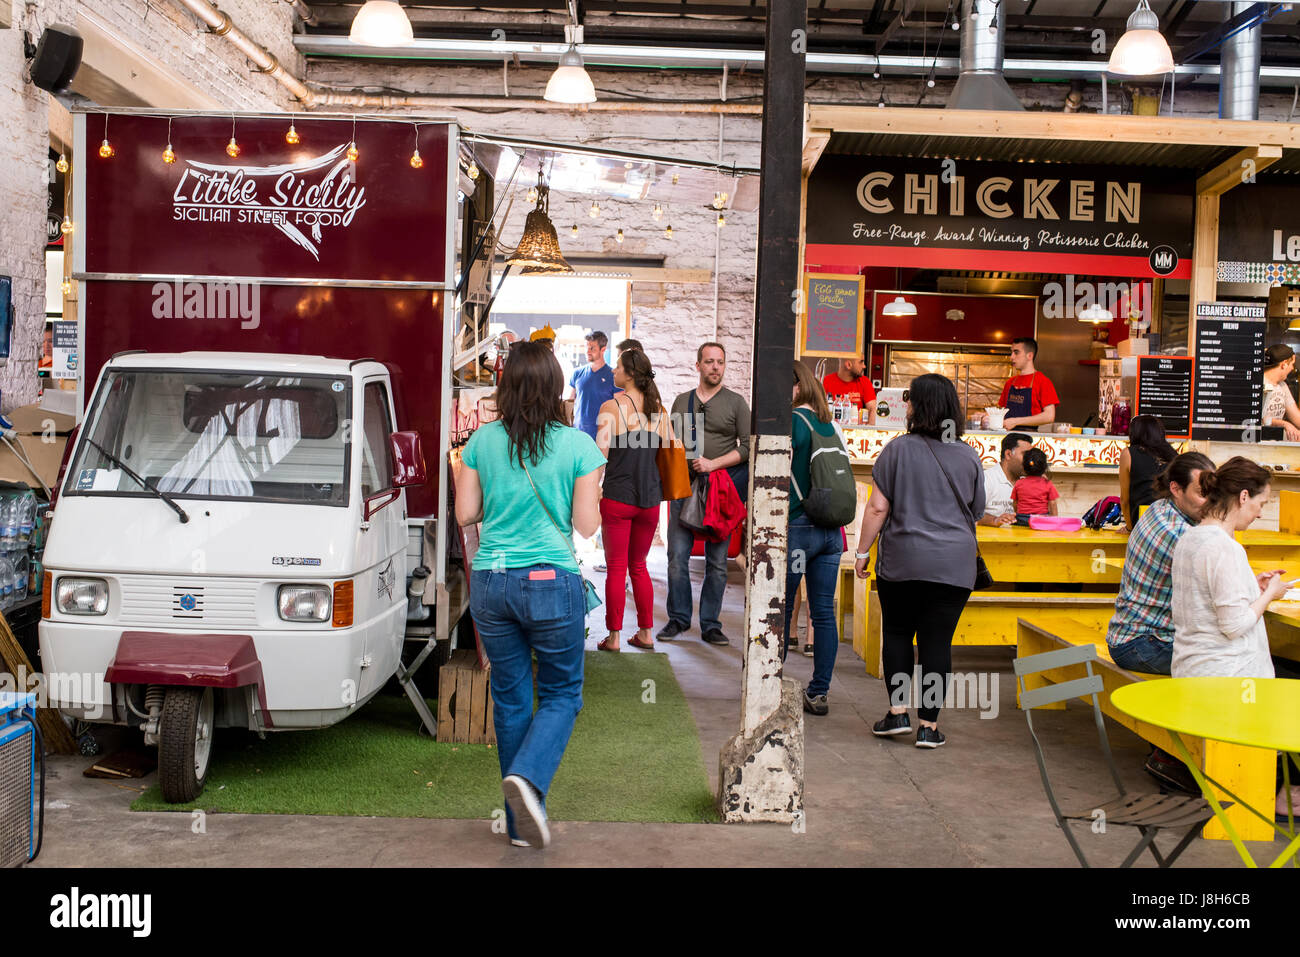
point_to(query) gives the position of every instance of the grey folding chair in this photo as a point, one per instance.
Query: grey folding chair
(1148, 812)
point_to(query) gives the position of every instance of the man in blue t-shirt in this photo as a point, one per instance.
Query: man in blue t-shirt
(592, 385)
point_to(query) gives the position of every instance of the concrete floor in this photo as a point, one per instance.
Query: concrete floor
(977, 802)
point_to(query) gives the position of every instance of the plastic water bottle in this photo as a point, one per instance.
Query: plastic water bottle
(6, 583)
(26, 517)
(8, 521)
(21, 569)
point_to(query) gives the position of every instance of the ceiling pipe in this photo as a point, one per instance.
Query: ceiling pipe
(981, 85)
(1239, 61)
(221, 25)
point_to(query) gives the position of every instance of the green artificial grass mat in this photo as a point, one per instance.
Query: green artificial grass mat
(628, 760)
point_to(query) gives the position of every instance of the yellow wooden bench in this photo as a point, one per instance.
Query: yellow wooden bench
(1249, 772)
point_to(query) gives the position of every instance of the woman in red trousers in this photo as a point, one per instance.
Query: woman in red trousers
(629, 430)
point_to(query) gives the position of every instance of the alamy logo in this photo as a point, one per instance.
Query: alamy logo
(209, 300)
(291, 197)
(75, 909)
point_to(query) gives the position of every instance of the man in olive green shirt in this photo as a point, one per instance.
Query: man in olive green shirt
(716, 437)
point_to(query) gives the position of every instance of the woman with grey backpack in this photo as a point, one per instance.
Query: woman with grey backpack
(927, 487)
(823, 499)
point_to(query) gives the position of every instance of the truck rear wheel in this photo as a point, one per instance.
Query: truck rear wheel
(185, 743)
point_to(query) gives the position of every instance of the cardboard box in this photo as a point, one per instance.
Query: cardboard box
(1135, 347)
(42, 436)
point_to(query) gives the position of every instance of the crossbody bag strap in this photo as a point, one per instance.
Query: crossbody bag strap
(955, 494)
(556, 524)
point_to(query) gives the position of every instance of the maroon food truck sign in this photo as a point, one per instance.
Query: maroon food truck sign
(218, 233)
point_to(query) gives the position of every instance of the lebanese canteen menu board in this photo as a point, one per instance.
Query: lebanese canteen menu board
(1229, 381)
(833, 320)
(1164, 389)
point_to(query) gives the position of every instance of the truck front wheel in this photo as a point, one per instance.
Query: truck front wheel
(185, 743)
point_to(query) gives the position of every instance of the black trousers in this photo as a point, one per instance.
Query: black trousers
(928, 612)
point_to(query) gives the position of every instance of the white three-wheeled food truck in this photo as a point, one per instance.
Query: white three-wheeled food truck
(242, 518)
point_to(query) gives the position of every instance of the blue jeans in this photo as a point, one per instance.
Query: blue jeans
(815, 552)
(1145, 653)
(517, 617)
(680, 596)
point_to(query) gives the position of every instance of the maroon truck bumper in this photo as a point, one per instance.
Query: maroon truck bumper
(206, 661)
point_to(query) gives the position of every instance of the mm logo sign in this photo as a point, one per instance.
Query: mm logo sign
(1163, 260)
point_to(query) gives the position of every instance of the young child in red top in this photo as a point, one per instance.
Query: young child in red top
(1034, 494)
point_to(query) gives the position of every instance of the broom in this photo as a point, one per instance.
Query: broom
(58, 739)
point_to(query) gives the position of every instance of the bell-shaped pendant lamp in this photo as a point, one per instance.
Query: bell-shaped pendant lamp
(539, 247)
(381, 23)
(899, 307)
(570, 82)
(1142, 50)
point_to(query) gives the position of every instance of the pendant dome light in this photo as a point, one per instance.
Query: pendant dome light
(1142, 50)
(381, 23)
(570, 82)
(899, 307)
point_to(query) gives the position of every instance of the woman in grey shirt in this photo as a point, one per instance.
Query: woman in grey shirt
(925, 567)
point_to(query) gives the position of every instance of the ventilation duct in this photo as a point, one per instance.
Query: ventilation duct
(1239, 59)
(981, 85)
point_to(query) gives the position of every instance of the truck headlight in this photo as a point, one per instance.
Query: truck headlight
(304, 602)
(82, 596)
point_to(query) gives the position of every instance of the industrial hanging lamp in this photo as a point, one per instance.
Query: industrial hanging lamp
(381, 23)
(1095, 313)
(1142, 50)
(899, 307)
(539, 247)
(570, 82)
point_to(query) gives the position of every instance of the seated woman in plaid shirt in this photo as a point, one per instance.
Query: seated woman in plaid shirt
(1141, 632)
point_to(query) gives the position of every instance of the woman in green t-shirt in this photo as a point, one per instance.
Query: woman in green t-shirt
(530, 480)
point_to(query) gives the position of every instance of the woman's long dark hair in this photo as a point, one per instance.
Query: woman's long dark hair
(528, 398)
(637, 367)
(936, 412)
(811, 393)
(1147, 433)
(1223, 486)
(1180, 471)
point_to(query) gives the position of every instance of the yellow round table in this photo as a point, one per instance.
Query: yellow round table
(1255, 712)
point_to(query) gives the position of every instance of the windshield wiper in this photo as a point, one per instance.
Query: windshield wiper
(143, 484)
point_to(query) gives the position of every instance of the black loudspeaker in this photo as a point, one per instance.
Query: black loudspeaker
(57, 57)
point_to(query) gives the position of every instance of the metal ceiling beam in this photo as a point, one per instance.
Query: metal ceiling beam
(1255, 13)
(641, 56)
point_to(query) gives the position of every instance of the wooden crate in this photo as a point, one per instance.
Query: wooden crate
(464, 701)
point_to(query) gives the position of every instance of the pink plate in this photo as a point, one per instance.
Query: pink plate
(1055, 523)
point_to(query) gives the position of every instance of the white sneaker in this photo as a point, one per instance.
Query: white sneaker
(526, 806)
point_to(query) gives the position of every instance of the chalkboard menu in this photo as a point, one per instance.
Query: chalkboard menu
(1164, 389)
(832, 324)
(1229, 393)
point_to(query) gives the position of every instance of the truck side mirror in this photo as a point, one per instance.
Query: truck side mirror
(408, 459)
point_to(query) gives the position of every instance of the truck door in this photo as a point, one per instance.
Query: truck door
(383, 578)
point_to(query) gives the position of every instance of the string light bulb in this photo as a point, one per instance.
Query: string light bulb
(594, 212)
(722, 220)
(532, 195)
(106, 148)
(930, 82)
(66, 226)
(169, 155)
(618, 236)
(668, 232)
(472, 172)
(353, 152)
(232, 148)
(416, 161)
(292, 137)
(573, 231)
(676, 177)
(658, 212)
(993, 26)
(67, 288)
(62, 164)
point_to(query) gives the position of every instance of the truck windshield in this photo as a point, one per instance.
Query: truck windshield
(220, 435)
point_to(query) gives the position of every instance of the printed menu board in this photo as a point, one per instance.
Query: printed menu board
(1164, 389)
(832, 325)
(1229, 381)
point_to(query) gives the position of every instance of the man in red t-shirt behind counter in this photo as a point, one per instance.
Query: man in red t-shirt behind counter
(852, 382)
(1029, 396)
